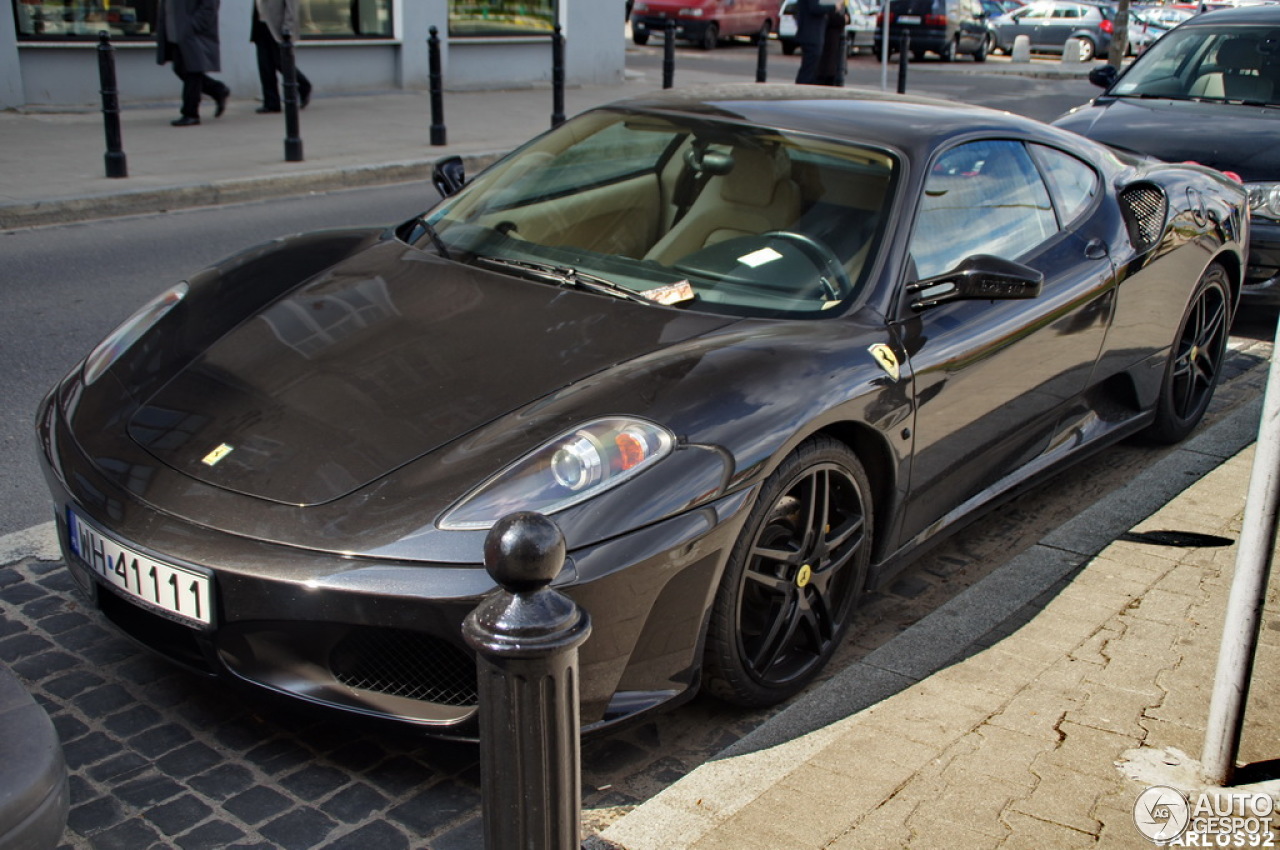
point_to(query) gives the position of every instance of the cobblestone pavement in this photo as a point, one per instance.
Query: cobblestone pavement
(161, 758)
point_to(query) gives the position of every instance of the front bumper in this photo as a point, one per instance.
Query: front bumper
(1262, 278)
(383, 638)
(688, 29)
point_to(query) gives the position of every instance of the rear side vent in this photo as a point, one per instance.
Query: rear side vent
(1144, 210)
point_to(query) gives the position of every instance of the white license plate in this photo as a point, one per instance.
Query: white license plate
(908, 19)
(183, 593)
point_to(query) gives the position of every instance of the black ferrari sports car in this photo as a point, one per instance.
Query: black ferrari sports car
(751, 347)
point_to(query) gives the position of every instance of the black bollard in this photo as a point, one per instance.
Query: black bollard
(557, 77)
(902, 62)
(289, 70)
(526, 636)
(669, 56)
(117, 166)
(762, 55)
(842, 63)
(435, 82)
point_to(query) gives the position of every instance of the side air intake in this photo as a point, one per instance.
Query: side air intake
(1145, 208)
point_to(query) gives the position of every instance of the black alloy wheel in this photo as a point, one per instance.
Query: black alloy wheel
(788, 592)
(1195, 362)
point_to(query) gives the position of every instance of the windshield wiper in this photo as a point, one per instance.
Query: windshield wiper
(429, 229)
(565, 276)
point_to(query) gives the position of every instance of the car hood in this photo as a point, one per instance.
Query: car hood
(378, 361)
(1228, 137)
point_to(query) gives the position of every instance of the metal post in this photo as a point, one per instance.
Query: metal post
(557, 77)
(526, 636)
(884, 45)
(289, 70)
(435, 82)
(669, 56)
(903, 48)
(117, 166)
(762, 55)
(1248, 593)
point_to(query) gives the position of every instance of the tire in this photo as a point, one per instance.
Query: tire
(949, 52)
(640, 37)
(710, 37)
(788, 47)
(980, 55)
(1088, 50)
(789, 590)
(1195, 362)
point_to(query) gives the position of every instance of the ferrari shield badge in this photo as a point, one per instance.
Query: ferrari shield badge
(886, 358)
(212, 458)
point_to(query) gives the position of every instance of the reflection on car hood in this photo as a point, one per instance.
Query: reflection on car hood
(1228, 137)
(378, 361)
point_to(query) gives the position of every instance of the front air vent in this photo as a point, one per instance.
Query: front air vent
(1144, 208)
(405, 664)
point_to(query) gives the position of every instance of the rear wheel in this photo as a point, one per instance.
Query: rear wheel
(789, 589)
(1087, 50)
(980, 55)
(949, 51)
(1195, 363)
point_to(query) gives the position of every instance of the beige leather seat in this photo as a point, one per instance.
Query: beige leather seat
(1239, 77)
(755, 196)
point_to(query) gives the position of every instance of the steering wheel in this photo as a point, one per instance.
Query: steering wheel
(835, 280)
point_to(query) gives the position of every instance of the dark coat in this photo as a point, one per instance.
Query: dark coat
(811, 21)
(195, 33)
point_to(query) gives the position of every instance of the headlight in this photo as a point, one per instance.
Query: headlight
(691, 13)
(1264, 199)
(130, 331)
(570, 469)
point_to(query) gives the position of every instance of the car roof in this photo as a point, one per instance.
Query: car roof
(914, 125)
(1268, 15)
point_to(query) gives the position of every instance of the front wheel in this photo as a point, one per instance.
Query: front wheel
(788, 592)
(1195, 362)
(710, 37)
(950, 50)
(640, 37)
(980, 55)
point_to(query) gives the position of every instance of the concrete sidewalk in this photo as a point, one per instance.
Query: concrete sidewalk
(1030, 712)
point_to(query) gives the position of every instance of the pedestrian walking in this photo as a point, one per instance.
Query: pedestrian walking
(271, 20)
(811, 35)
(187, 36)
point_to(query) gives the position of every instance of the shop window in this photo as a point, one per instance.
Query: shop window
(469, 18)
(39, 20)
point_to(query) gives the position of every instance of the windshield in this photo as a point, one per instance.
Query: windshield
(1226, 63)
(685, 212)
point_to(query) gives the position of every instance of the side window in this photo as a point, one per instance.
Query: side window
(981, 198)
(1073, 183)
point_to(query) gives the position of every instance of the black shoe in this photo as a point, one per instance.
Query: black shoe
(221, 103)
(185, 121)
(265, 109)
(303, 100)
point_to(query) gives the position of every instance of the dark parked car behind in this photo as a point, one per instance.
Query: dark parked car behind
(1209, 91)
(1050, 24)
(945, 27)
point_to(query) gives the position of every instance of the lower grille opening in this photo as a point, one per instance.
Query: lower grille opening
(157, 634)
(405, 664)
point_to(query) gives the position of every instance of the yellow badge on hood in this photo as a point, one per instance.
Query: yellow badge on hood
(886, 358)
(212, 458)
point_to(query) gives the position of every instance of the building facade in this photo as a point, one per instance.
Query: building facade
(49, 57)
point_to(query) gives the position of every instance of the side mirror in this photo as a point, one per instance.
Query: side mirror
(449, 176)
(1104, 76)
(981, 277)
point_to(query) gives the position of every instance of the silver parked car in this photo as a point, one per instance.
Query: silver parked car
(1051, 23)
